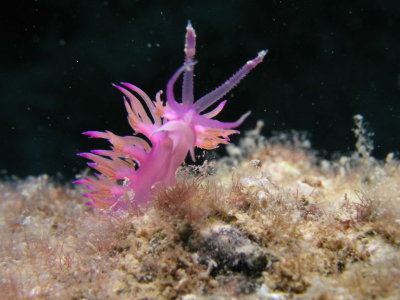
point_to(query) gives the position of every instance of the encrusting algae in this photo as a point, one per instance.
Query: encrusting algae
(277, 224)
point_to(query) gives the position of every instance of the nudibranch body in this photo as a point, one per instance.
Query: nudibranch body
(171, 129)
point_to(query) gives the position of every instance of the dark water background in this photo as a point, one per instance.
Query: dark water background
(328, 60)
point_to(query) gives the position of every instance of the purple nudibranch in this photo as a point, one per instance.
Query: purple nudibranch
(128, 172)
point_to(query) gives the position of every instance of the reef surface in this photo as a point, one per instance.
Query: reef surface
(271, 221)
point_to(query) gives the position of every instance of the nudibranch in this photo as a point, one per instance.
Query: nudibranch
(164, 132)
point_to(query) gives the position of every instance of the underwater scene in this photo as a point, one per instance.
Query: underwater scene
(200, 150)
